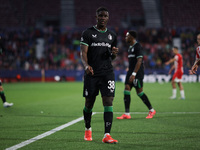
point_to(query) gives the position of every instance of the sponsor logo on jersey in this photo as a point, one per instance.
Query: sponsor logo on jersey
(109, 36)
(94, 35)
(101, 44)
(131, 55)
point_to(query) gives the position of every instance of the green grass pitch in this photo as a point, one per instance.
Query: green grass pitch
(40, 107)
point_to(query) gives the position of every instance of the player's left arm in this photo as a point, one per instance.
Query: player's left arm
(114, 50)
(137, 67)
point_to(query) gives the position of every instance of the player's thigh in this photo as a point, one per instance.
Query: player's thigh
(107, 86)
(138, 84)
(90, 88)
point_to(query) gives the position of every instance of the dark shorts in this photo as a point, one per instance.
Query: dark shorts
(137, 83)
(105, 84)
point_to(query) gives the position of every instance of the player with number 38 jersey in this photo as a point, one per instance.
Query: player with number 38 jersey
(98, 49)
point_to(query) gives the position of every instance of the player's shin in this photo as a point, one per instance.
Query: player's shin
(3, 96)
(145, 99)
(108, 118)
(87, 113)
(127, 101)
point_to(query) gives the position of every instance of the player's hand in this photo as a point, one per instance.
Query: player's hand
(131, 79)
(115, 51)
(193, 70)
(89, 70)
(167, 63)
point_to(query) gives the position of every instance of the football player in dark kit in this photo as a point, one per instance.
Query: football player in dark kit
(2, 95)
(135, 75)
(98, 49)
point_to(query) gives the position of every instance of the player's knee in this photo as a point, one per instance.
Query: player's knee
(107, 101)
(1, 88)
(127, 87)
(89, 102)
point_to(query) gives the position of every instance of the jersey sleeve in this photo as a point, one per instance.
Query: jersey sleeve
(85, 40)
(139, 52)
(114, 44)
(176, 57)
(198, 53)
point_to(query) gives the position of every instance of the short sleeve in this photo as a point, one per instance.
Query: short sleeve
(197, 53)
(85, 40)
(176, 57)
(114, 44)
(139, 52)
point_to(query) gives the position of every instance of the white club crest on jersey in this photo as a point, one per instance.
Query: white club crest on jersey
(110, 37)
(132, 50)
(94, 35)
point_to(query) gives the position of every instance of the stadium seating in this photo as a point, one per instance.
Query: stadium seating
(17, 13)
(178, 13)
(85, 11)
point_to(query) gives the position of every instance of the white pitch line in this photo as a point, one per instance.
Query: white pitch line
(140, 113)
(22, 144)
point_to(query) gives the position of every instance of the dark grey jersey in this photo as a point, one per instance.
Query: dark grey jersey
(99, 49)
(135, 52)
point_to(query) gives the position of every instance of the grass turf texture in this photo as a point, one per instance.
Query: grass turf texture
(40, 107)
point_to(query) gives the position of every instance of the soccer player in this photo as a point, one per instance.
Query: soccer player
(5, 104)
(197, 61)
(134, 76)
(178, 73)
(98, 49)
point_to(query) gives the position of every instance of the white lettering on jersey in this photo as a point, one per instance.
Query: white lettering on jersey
(131, 56)
(101, 44)
(111, 86)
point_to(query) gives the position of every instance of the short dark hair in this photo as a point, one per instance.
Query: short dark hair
(101, 9)
(133, 33)
(175, 47)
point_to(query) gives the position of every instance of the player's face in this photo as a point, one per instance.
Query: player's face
(102, 19)
(128, 38)
(198, 39)
(175, 51)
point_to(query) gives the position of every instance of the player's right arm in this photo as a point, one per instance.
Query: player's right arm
(171, 69)
(195, 67)
(170, 61)
(2, 49)
(84, 59)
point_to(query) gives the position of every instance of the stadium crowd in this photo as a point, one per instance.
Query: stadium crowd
(62, 50)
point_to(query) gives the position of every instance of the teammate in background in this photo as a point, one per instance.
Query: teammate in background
(5, 104)
(98, 49)
(178, 73)
(134, 76)
(197, 61)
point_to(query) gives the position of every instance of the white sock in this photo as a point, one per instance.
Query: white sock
(106, 134)
(152, 110)
(182, 94)
(174, 93)
(127, 114)
(88, 129)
